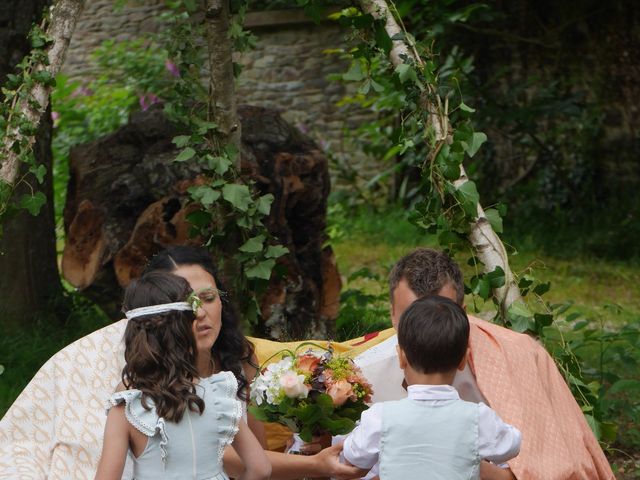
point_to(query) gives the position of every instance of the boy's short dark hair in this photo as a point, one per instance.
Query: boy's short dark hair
(434, 334)
(427, 271)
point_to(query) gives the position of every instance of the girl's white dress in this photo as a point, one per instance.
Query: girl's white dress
(192, 448)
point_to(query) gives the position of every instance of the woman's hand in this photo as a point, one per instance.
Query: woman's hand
(489, 471)
(329, 461)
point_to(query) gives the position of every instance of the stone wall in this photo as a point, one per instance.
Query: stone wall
(287, 70)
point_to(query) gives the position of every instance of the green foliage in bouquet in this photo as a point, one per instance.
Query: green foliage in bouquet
(310, 393)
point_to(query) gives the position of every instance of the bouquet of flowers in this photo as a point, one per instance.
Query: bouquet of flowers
(312, 393)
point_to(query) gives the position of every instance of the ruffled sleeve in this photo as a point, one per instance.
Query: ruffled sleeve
(146, 421)
(228, 407)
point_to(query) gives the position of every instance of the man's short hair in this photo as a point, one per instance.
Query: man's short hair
(434, 334)
(427, 271)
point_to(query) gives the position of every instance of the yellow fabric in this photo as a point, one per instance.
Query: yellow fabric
(267, 351)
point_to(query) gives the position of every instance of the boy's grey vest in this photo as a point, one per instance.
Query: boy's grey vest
(422, 441)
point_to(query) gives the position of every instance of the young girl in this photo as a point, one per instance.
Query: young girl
(171, 411)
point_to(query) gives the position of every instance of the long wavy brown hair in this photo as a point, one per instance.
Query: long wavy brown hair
(160, 349)
(231, 348)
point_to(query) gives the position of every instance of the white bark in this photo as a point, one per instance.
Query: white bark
(64, 15)
(221, 79)
(488, 246)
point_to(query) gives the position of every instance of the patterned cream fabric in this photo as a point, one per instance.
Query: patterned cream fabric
(54, 428)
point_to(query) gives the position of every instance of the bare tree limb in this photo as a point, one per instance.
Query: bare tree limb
(486, 243)
(63, 17)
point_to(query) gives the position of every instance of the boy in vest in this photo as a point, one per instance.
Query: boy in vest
(432, 434)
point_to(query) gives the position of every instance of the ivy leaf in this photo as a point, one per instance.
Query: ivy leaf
(382, 37)
(261, 270)
(185, 155)
(496, 278)
(181, 140)
(469, 198)
(521, 317)
(204, 194)
(276, 251)
(253, 245)
(39, 172)
(542, 288)
(494, 219)
(355, 73)
(220, 165)
(33, 203)
(237, 195)
(264, 204)
(481, 286)
(406, 72)
(472, 147)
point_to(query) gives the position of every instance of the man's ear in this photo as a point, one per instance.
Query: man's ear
(402, 358)
(463, 362)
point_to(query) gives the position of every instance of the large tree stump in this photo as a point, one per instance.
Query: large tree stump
(127, 200)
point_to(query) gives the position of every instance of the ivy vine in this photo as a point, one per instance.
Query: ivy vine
(17, 130)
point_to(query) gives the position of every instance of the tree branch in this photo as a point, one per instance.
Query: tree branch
(488, 246)
(64, 15)
(222, 100)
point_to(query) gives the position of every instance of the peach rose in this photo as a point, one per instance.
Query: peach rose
(340, 391)
(293, 385)
(307, 363)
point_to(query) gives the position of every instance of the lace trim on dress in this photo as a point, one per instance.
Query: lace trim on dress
(135, 414)
(227, 405)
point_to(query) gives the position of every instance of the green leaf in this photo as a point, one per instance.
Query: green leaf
(199, 219)
(264, 204)
(40, 171)
(542, 288)
(520, 316)
(494, 219)
(496, 278)
(33, 203)
(185, 155)
(594, 425)
(181, 140)
(253, 245)
(466, 108)
(468, 196)
(406, 72)
(259, 414)
(276, 251)
(220, 165)
(237, 195)
(355, 73)
(261, 270)
(204, 194)
(481, 286)
(472, 147)
(382, 37)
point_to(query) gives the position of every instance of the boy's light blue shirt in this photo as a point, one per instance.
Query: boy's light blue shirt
(432, 416)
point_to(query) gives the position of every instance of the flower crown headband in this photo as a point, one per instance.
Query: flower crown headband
(192, 303)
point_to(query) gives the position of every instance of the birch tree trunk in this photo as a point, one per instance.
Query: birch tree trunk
(64, 15)
(29, 278)
(488, 246)
(222, 100)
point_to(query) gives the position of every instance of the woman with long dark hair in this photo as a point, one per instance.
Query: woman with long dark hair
(231, 351)
(172, 411)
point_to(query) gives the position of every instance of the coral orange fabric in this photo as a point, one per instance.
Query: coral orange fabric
(557, 443)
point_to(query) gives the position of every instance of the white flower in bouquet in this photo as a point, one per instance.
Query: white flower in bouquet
(267, 384)
(293, 385)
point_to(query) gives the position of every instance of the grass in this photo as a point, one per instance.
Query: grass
(376, 240)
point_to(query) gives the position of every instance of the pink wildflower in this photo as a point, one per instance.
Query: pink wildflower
(172, 68)
(147, 100)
